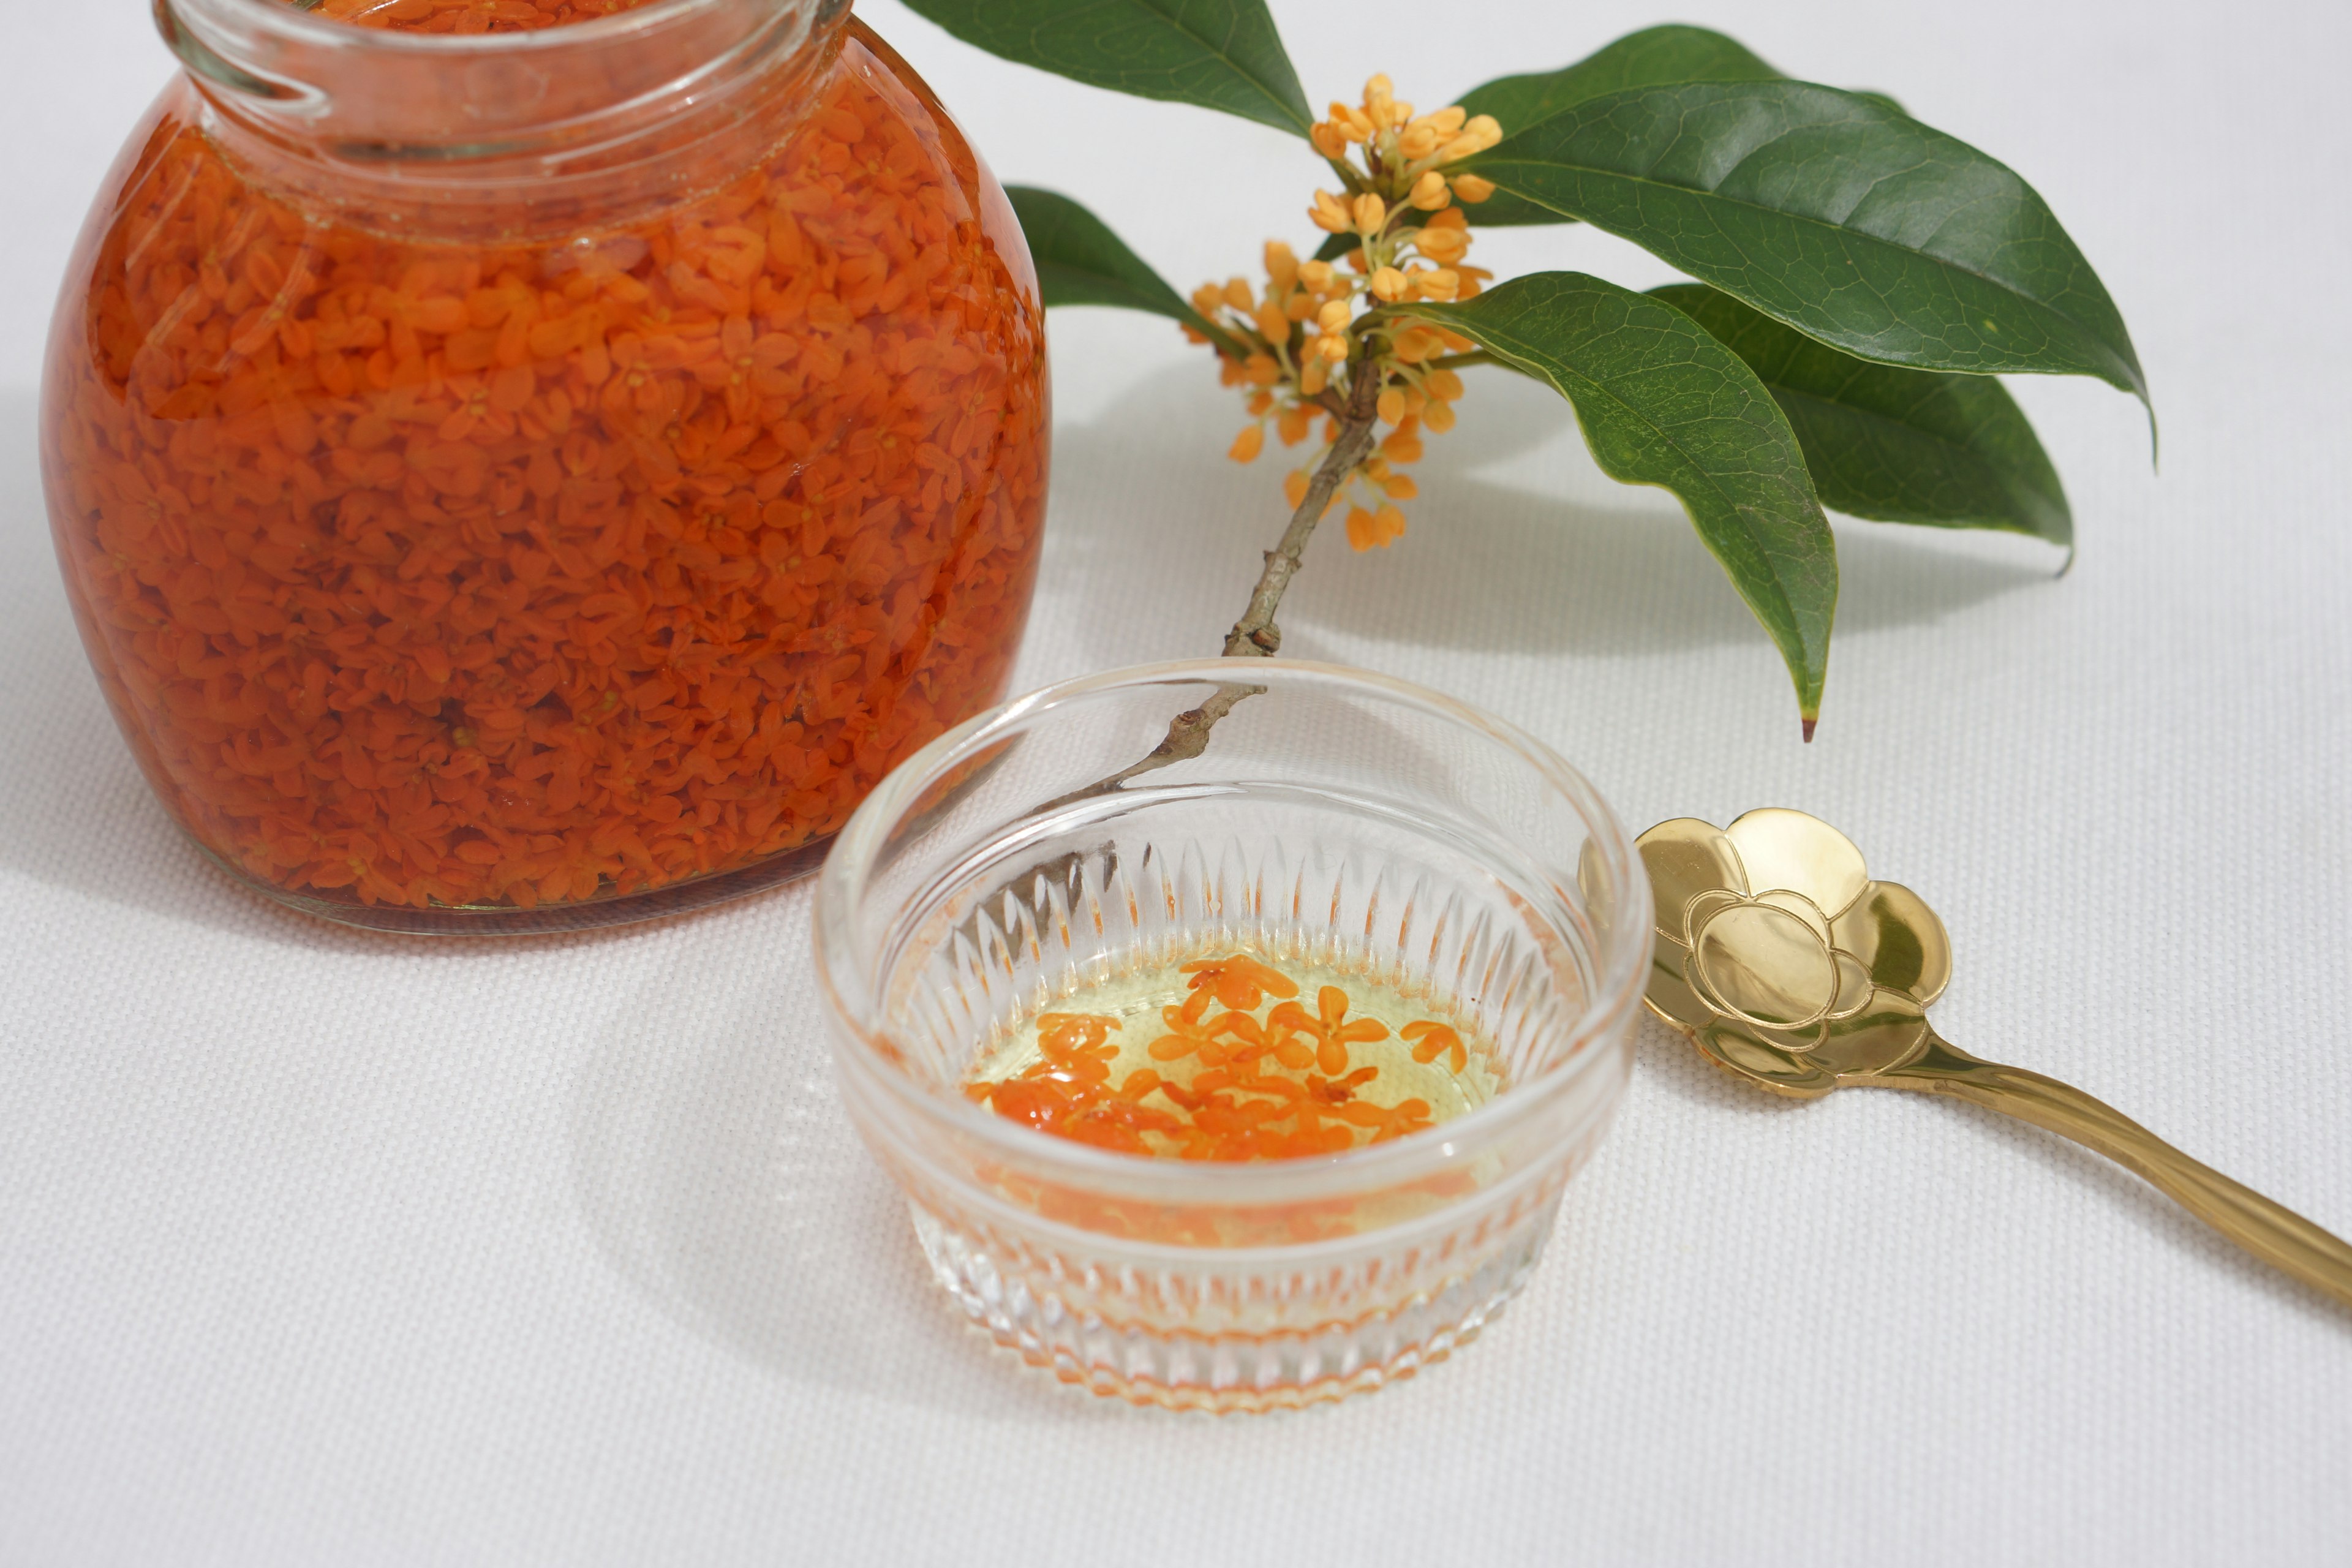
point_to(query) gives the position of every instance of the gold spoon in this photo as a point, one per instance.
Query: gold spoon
(1787, 966)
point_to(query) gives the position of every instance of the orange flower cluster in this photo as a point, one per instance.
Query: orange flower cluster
(1282, 1086)
(423, 574)
(471, 17)
(1315, 327)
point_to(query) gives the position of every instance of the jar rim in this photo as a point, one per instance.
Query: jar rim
(1622, 956)
(460, 136)
(300, 23)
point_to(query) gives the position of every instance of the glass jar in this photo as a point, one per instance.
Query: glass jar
(1337, 820)
(514, 481)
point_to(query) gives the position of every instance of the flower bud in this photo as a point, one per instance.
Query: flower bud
(1237, 293)
(1392, 406)
(1313, 377)
(1486, 128)
(1370, 213)
(1328, 138)
(1387, 284)
(1438, 416)
(1360, 529)
(1444, 385)
(1428, 192)
(1417, 142)
(1399, 487)
(1443, 246)
(1273, 323)
(1281, 263)
(1291, 426)
(1316, 275)
(1247, 444)
(1334, 317)
(1472, 189)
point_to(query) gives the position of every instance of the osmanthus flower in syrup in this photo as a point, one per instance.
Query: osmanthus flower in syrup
(1215, 1059)
(517, 517)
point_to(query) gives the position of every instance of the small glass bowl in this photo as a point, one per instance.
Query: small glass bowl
(1334, 817)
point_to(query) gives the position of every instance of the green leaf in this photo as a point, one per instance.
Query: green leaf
(1218, 54)
(1655, 57)
(1834, 213)
(1892, 444)
(1081, 262)
(1662, 403)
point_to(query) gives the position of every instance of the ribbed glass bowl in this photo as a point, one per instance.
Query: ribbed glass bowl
(1335, 818)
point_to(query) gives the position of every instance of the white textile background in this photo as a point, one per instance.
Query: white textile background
(320, 1247)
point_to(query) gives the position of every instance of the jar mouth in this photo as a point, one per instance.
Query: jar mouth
(374, 94)
(304, 21)
(850, 971)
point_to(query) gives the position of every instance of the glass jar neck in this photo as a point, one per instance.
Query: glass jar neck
(502, 135)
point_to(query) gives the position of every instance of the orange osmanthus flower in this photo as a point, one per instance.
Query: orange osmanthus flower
(1309, 333)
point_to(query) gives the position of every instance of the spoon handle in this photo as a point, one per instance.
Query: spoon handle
(2276, 1235)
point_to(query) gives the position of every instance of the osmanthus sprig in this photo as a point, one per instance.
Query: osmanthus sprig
(1859, 279)
(1302, 344)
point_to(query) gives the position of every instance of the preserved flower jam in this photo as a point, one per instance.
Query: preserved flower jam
(1229, 1058)
(503, 575)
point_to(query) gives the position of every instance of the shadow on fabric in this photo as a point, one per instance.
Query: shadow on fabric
(716, 1169)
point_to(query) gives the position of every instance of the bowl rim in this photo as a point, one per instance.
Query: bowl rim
(853, 1010)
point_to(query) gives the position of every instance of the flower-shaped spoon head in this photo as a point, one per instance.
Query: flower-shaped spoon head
(1779, 957)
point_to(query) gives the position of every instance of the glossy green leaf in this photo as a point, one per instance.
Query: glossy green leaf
(1081, 262)
(1655, 57)
(1651, 57)
(1834, 213)
(1662, 403)
(1218, 54)
(1889, 442)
